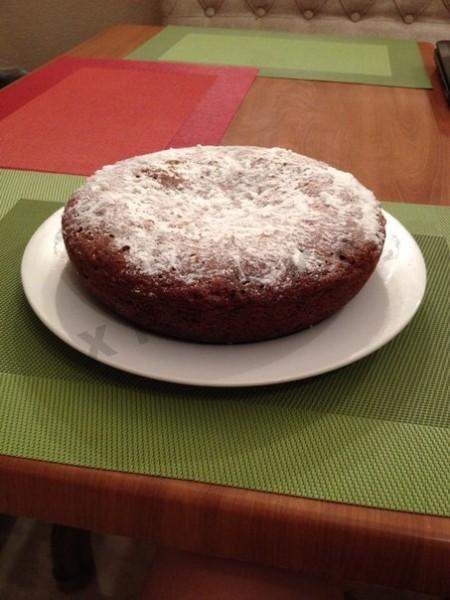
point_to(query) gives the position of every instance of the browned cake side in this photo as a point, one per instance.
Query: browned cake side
(202, 294)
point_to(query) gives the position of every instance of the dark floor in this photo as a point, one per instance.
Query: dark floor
(25, 565)
(122, 566)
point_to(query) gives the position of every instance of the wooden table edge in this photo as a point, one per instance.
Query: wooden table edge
(317, 537)
(327, 538)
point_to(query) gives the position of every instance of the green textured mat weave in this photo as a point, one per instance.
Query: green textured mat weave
(16, 184)
(374, 433)
(326, 58)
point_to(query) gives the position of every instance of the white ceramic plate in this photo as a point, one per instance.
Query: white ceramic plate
(377, 314)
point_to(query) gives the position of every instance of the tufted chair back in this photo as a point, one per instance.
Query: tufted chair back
(417, 19)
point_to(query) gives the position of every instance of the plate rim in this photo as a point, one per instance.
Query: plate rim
(61, 334)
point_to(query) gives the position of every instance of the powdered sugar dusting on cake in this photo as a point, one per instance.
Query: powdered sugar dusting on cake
(258, 215)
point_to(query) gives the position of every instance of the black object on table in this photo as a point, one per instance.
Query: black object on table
(442, 60)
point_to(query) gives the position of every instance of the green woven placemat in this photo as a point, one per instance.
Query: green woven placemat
(374, 433)
(16, 184)
(296, 56)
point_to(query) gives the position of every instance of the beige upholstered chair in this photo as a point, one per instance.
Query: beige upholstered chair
(426, 20)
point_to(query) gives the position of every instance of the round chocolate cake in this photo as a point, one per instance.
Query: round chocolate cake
(223, 244)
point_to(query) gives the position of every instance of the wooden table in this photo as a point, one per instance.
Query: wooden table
(397, 142)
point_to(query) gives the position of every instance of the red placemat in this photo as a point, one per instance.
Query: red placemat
(75, 115)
